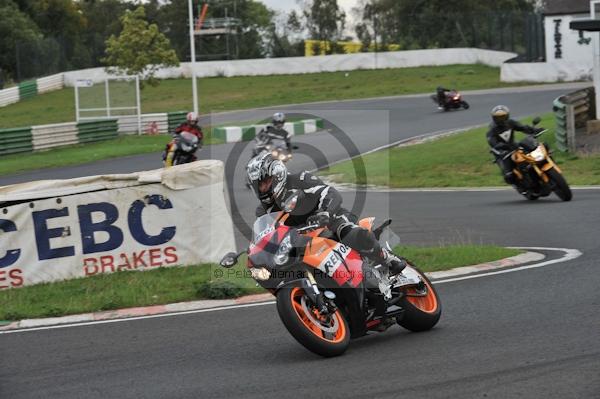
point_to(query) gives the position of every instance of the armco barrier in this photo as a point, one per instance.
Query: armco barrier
(50, 83)
(27, 89)
(175, 119)
(572, 111)
(151, 124)
(560, 115)
(97, 130)
(9, 96)
(234, 134)
(15, 140)
(48, 136)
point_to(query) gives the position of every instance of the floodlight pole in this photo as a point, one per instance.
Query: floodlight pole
(596, 45)
(193, 55)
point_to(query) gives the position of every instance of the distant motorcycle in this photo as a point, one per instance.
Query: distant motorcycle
(184, 146)
(453, 100)
(536, 172)
(276, 146)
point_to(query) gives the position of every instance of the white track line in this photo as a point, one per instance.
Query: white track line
(570, 254)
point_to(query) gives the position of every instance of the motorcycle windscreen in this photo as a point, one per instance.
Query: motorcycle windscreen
(189, 138)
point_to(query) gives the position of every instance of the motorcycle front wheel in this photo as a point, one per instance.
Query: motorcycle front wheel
(559, 185)
(325, 335)
(465, 105)
(422, 306)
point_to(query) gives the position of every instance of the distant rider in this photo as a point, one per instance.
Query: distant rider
(501, 138)
(441, 96)
(191, 126)
(271, 182)
(274, 130)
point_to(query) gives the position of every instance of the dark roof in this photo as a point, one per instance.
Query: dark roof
(562, 7)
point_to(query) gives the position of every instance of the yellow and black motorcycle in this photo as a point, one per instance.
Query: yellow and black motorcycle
(537, 175)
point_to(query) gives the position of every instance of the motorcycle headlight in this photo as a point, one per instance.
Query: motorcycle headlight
(186, 147)
(260, 273)
(283, 252)
(538, 154)
(275, 154)
(282, 157)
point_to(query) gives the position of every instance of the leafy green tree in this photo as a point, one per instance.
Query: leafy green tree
(101, 21)
(285, 36)
(15, 27)
(140, 49)
(444, 23)
(325, 20)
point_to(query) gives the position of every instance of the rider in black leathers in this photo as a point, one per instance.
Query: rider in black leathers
(321, 204)
(272, 131)
(501, 138)
(441, 96)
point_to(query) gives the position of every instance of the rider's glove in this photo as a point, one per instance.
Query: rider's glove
(321, 218)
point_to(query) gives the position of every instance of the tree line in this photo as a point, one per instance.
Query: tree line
(39, 37)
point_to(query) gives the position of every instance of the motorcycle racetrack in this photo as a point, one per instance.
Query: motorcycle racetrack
(531, 333)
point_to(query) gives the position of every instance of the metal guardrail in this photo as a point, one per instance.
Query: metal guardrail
(56, 135)
(27, 89)
(572, 111)
(15, 140)
(97, 130)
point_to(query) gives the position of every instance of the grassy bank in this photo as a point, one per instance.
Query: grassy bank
(168, 285)
(462, 160)
(222, 94)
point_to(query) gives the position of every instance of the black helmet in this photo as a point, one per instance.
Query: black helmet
(259, 170)
(500, 114)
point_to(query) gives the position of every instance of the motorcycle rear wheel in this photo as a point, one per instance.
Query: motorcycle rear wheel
(421, 313)
(325, 336)
(561, 187)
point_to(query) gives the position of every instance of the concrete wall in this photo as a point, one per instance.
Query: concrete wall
(569, 56)
(545, 71)
(564, 44)
(331, 63)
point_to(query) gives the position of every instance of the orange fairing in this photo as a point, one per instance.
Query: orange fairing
(318, 250)
(335, 259)
(367, 223)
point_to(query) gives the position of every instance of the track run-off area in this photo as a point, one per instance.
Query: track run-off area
(530, 331)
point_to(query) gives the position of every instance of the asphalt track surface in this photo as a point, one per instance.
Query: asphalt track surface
(528, 334)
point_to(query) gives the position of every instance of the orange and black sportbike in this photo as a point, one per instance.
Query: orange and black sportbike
(536, 172)
(326, 292)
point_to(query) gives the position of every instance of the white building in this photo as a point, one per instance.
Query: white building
(569, 54)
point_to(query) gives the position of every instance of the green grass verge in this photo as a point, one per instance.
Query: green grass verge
(223, 94)
(462, 160)
(168, 285)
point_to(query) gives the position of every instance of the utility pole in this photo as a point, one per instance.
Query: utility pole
(193, 56)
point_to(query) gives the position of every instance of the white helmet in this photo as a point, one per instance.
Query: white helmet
(278, 119)
(192, 117)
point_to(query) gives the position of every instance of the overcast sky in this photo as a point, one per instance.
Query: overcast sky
(288, 5)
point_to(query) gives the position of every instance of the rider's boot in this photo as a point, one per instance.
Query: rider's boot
(394, 263)
(169, 158)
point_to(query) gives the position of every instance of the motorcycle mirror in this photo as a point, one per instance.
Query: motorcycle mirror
(229, 260)
(536, 120)
(295, 147)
